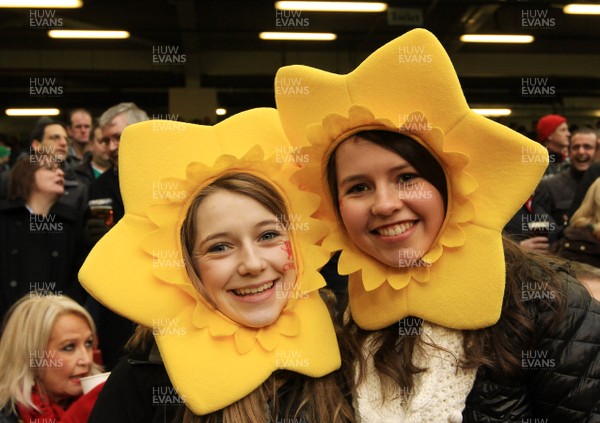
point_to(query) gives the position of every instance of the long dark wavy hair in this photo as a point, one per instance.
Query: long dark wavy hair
(497, 348)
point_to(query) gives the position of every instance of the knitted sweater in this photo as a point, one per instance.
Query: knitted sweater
(439, 393)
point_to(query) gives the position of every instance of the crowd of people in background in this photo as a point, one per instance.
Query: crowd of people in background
(60, 195)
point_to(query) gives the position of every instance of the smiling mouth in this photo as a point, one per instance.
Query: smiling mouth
(394, 230)
(244, 292)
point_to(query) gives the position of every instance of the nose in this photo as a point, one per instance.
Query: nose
(386, 201)
(85, 356)
(60, 172)
(113, 145)
(251, 262)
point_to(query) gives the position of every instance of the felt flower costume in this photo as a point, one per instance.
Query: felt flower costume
(138, 270)
(490, 171)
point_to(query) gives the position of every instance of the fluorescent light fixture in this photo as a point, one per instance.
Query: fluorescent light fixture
(490, 38)
(42, 4)
(76, 34)
(493, 112)
(582, 9)
(221, 112)
(298, 36)
(32, 112)
(331, 6)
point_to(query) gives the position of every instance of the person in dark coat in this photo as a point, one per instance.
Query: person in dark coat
(42, 245)
(554, 195)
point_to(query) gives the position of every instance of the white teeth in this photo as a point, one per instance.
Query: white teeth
(250, 291)
(396, 229)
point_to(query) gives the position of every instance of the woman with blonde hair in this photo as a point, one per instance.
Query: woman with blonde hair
(45, 349)
(581, 240)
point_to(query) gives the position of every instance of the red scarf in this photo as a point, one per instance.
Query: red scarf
(49, 411)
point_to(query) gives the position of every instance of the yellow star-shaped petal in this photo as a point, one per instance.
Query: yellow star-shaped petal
(137, 269)
(410, 86)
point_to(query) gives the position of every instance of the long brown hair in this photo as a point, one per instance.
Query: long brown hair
(498, 347)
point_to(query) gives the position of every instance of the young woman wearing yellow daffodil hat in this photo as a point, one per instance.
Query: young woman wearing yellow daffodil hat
(217, 256)
(451, 322)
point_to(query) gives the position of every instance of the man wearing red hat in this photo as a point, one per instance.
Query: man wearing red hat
(553, 133)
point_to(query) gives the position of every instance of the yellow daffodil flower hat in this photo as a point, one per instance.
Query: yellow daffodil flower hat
(409, 85)
(137, 269)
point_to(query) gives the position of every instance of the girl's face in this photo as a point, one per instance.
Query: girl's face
(390, 211)
(67, 358)
(244, 259)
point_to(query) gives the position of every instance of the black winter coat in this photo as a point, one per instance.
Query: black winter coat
(560, 382)
(39, 253)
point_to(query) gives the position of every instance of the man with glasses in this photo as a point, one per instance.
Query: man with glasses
(49, 137)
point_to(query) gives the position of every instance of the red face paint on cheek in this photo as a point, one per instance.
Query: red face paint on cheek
(287, 247)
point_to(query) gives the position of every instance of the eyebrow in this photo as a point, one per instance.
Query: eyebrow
(226, 234)
(358, 177)
(73, 339)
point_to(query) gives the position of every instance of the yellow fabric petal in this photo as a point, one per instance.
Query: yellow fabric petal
(425, 99)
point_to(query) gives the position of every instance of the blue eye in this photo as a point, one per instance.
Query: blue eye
(218, 248)
(269, 235)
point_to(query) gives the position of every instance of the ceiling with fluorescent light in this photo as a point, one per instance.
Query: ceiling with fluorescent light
(222, 51)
